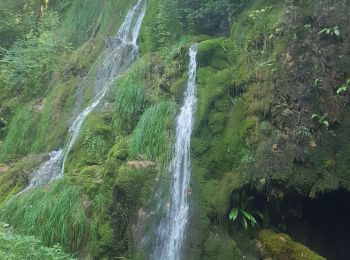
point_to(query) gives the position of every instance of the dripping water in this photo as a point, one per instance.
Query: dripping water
(171, 230)
(121, 51)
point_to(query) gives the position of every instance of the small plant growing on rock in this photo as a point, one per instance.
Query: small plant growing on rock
(307, 26)
(244, 214)
(344, 87)
(322, 120)
(330, 31)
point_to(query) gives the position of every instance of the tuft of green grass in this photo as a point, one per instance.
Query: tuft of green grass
(21, 132)
(55, 215)
(130, 100)
(152, 137)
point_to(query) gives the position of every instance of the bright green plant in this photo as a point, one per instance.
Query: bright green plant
(330, 31)
(244, 213)
(307, 26)
(302, 132)
(322, 120)
(26, 66)
(344, 87)
(130, 100)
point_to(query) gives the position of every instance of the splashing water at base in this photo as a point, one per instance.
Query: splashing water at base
(120, 53)
(171, 231)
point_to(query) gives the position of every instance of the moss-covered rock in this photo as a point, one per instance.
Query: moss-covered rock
(281, 247)
(214, 52)
(93, 144)
(132, 190)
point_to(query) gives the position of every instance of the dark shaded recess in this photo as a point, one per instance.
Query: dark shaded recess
(322, 224)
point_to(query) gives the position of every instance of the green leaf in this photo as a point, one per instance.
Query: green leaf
(249, 216)
(315, 116)
(233, 214)
(336, 32)
(322, 31)
(323, 118)
(343, 88)
(246, 214)
(245, 224)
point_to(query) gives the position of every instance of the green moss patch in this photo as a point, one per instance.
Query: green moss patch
(281, 247)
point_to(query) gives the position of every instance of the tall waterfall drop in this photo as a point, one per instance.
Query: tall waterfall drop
(120, 53)
(171, 231)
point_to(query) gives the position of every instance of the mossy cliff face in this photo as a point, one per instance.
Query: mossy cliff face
(305, 83)
(258, 89)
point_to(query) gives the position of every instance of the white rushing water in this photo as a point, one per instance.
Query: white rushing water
(120, 53)
(171, 231)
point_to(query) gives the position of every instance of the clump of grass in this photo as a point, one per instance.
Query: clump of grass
(21, 133)
(15, 246)
(56, 215)
(130, 100)
(152, 135)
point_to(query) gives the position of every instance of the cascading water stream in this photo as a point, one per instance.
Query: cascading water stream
(171, 231)
(120, 53)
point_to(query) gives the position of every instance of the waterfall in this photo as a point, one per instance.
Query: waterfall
(120, 53)
(171, 230)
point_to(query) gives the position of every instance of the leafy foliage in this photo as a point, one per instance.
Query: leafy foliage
(162, 22)
(13, 246)
(330, 31)
(169, 20)
(322, 120)
(209, 15)
(28, 64)
(244, 213)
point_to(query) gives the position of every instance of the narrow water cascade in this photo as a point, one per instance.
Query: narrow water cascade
(171, 230)
(120, 53)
